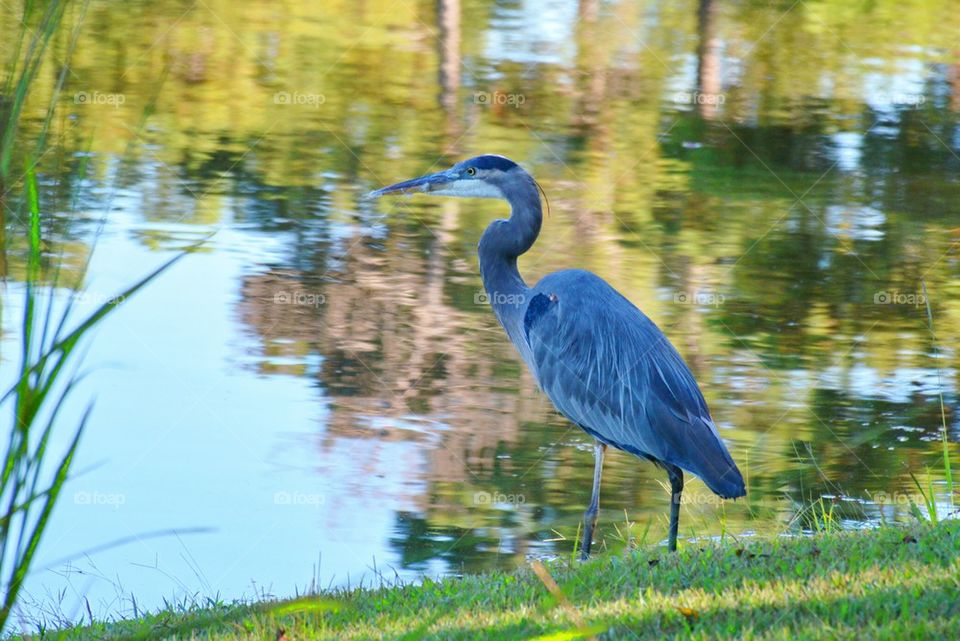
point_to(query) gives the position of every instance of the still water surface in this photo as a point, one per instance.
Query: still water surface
(321, 389)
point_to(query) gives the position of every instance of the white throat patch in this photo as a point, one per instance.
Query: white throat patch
(469, 189)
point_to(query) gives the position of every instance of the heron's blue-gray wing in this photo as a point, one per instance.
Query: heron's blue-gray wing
(609, 369)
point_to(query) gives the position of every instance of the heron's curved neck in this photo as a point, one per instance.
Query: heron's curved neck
(503, 242)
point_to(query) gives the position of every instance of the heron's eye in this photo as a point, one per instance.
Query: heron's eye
(471, 171)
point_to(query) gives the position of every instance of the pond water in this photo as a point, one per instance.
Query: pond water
(318, 394)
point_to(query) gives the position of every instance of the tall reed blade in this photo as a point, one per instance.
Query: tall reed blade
(33, 477)
(944, 440)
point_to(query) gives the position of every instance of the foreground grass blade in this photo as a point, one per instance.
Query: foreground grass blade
(947, 470)
(38, 395)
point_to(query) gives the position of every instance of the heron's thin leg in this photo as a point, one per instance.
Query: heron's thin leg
(593, 510)
(676, 489)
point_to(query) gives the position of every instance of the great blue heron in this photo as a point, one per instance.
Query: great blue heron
(600, 360)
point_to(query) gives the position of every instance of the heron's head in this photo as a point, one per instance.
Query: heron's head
(488, 176)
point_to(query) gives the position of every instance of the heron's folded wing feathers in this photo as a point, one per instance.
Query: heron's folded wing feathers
(608, 368)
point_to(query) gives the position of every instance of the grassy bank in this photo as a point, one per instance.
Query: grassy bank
(893, 583)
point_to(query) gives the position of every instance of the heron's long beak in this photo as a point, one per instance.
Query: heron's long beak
(430, 182)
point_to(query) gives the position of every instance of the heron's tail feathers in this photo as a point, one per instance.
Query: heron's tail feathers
(720, 473)
(728, 484)
(708, 458)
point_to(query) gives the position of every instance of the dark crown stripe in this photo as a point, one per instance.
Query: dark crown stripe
(492, 162)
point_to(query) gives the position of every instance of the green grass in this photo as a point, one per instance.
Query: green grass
(890, 583)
